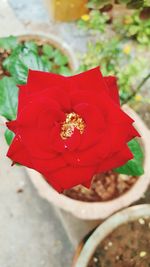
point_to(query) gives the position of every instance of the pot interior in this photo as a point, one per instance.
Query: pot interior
(137, 213)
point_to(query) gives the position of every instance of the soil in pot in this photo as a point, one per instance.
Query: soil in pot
(126, 246)
(104, 187)
(3, 55)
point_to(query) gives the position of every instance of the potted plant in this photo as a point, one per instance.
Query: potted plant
(15, 65)
(122, 240)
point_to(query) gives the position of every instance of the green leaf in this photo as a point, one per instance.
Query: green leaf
(59, 58)
(9, 135)
(8, 42)
(134, 166)
(32, 46)
(142, 38)
(21, 61)
(133, 29)
(33, 61)
(63, 70)
(13, 57)
(48, 50)
(48, 64)
(19, 71)
(8, 98)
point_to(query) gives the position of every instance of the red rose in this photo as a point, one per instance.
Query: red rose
(70, 128)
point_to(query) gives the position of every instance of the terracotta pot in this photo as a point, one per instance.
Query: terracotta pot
(99, 210)
(127, 215)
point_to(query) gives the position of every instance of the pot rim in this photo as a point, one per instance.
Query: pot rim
(103, 230)
(100, 210)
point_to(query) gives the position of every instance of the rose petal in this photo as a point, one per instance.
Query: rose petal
(70, 176)
(116, 160)
(120, 134)
(94, 124)
(90, 137)
(87, 184)
(12, 125)
(49, 165)
(83, 97)
(84, 81)
(50, 84)
(113, 90)
(73, 142)
(37, 142)
(112, 112)
(31, 115)
(22, 97)
(48, 118)
(91, 115)
(62, 145)
(39, 80)
(58, 94)
(53, 182)
(88, 157)
(18, 153)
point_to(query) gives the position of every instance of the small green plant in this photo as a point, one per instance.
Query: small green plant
(137, 28)
(95, 20)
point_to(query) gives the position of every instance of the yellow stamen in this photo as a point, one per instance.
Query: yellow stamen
(72, 121)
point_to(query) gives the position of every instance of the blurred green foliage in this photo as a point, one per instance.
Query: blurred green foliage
(131, 4)
(134, 27)
(94, 21)
(115, 58)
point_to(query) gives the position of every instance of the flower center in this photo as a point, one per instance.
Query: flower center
(72, 121)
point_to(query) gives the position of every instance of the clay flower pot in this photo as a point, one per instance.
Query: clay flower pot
(127, 215)
(99, 210)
